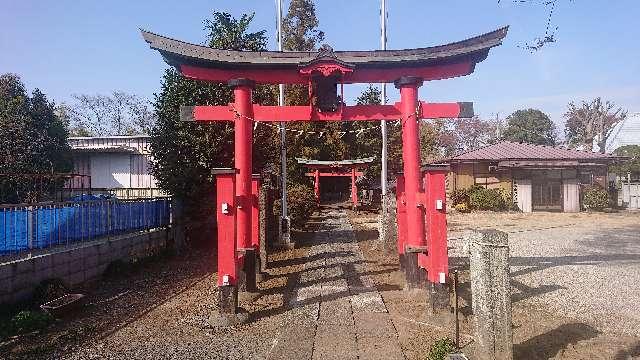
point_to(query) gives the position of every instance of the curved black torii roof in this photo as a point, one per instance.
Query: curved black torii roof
(206, 63)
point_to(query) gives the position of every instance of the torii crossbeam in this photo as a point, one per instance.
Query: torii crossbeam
(323, 71)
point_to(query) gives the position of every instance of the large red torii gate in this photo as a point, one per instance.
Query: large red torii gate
(323, 71)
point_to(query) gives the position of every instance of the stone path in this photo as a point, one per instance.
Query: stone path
(319, 302)
(342, 315)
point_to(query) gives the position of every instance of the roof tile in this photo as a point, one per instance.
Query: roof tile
(507, 150)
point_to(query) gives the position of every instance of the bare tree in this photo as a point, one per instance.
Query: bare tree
(117, 114)
(459, 135)
(591, 121)
(550, 29)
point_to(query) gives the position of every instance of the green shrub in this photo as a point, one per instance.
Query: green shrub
(462, 207)
(301, 204)
(440, 349)
(27, 321)
(487, 199)
(460, 196)
(595, 198)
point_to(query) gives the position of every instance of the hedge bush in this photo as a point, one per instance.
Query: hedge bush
(460, 196)
(301, 202)
(462, 207)
(595, 198)
(24, 322)
(487, 199)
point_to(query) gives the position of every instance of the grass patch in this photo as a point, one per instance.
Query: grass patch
(23, 322)
(440, 349)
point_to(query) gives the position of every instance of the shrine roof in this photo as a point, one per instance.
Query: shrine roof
(178, 53)
(336, 163)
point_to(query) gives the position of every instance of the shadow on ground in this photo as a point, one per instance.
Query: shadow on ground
(551, 343)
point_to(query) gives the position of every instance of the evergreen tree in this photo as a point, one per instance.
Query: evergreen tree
(185, 153)
(530, 126)
(33, 144)
(315, 140)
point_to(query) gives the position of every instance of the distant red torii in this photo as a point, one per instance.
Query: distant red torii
(342, 168)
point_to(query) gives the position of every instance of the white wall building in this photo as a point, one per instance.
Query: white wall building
(111, 162)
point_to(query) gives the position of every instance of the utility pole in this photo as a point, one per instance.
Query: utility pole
(383, 123)
(385, 216)
(284, 218)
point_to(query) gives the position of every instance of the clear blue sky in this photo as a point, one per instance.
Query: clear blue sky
(65, 47)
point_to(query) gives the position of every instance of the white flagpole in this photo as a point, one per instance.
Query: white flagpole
(383, 123)
(283, 139)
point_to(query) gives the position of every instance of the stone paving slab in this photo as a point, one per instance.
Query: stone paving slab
(353, 321)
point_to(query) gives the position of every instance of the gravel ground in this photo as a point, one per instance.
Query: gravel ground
(561, 305)
(585, 266)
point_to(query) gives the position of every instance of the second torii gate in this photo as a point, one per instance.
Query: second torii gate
(341, 168)
(323, 71)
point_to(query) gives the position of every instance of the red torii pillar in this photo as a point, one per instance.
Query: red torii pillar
(316, 185)
(354, 189)
(415, 242)
(243, 142)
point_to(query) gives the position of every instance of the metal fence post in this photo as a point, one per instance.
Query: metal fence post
(30, 227)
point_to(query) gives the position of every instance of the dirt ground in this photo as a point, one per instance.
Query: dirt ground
(161, 309)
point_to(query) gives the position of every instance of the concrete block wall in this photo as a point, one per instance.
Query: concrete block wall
(74, 266)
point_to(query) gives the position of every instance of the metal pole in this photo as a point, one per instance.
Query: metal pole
(283, 135)
(455, 307)
(383, 123)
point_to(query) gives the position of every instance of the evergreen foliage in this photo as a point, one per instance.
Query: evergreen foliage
(595, 198)
(185, 153)
(530, 126)
(301, 202)
(631, 166)
(440, 349)
(33, 144)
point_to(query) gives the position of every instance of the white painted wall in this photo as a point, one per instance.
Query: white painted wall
(110, 170)
(523, 195)
(95, 156)
(571, 195)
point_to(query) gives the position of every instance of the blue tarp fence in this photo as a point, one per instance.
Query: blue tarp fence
(42, 226)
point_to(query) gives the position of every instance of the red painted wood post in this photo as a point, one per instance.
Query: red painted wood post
(227, 258)
(436, 209)
(255, 211)
(256, 181)
(243, 157)
(316, 185)
(226, 223)
(437, 263)
(401, 211)
(354, 189)
(415, 242)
